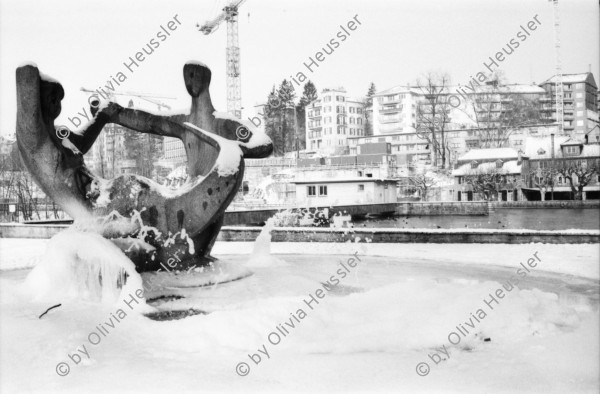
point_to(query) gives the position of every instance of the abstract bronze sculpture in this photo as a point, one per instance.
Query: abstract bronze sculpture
(178, 226)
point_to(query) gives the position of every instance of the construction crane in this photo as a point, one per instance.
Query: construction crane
(145, 97)
(558, 81)
(234, 80)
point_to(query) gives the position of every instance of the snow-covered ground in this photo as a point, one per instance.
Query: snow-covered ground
(394, 308)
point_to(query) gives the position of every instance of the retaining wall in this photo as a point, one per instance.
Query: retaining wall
(474, 208)
(381, 235)
(16, 230)
(567, 204)
(378, 235)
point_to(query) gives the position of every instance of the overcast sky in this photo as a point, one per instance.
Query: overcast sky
(397, 42)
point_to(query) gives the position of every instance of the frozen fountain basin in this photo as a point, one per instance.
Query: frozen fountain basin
(367, 333)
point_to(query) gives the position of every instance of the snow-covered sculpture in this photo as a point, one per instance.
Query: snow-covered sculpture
(174, 227)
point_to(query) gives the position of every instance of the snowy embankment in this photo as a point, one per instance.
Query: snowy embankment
(393, 307)
(572, 259)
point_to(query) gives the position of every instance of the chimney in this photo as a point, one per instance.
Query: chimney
(552, 145)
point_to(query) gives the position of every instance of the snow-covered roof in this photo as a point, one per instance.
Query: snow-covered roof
(489, 154)
(501, 89)
(569, 78)
(508, 167)
(591, 151)
(399, 89)
(572, 141)
(475, 89)
(541, 147)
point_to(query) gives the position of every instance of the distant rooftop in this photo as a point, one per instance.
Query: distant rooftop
(541, 147)
(477, 89)
(489, 154)
(572, 78)
(399, 89)
(509, 167)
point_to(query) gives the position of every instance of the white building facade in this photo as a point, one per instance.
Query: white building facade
(331, 120)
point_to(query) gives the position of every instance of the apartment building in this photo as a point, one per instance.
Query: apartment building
(331, 120)
(580, 102)
(107, 155)
(395, 110)
(174, 152)
(461, 141)
(407, 146)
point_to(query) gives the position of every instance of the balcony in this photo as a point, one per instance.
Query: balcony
(388, 101)
(390, 128)
(316, 115)
(389, 110)
(390, 119)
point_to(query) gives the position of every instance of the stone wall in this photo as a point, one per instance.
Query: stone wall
(312, 234)
(477, 208)
(569, 204)
(295, 234)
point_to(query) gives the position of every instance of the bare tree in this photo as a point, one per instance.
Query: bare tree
(543, 179)
(579, 174)
(433, 115)
(487, 182)
(498, 112)
(423, 184)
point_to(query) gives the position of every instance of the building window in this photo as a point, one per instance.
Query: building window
(361, 188)
(322, 190)
(571, 150)
(312, 191)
